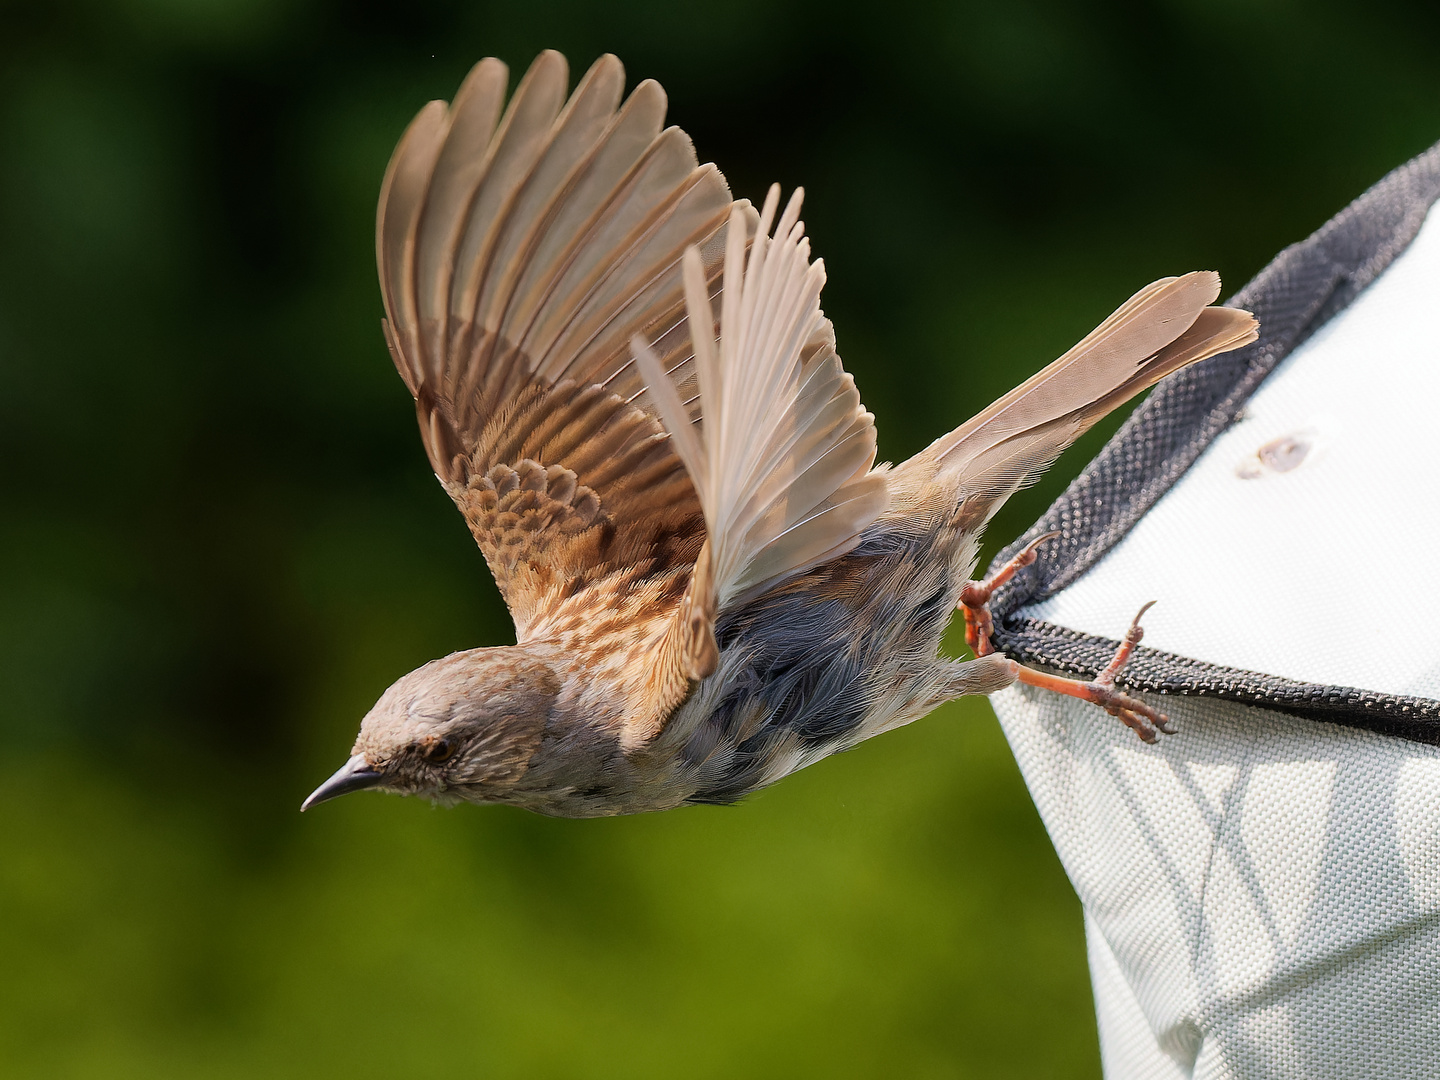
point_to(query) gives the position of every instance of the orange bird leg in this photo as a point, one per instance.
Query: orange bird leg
(1134, 714)
(975, 597)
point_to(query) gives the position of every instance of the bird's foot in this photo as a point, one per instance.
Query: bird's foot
(975, 596)
(1146, 722)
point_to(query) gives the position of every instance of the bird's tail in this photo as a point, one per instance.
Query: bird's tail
(1163, 327)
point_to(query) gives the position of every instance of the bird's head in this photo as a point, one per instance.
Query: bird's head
(464, 727)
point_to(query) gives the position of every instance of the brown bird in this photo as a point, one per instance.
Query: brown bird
(625, 382)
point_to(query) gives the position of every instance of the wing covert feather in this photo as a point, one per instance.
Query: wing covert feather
(521, 247)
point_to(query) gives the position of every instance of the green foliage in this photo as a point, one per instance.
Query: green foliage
(894, 912)
(220, 540)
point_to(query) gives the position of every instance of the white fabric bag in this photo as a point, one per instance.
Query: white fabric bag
(1262, 890)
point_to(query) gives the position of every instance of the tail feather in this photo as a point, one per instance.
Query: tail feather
(1159, 330)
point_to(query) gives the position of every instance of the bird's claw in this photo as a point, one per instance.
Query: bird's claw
(1140, 718)
(975, 596)
(1146, 722)
(1136, 715)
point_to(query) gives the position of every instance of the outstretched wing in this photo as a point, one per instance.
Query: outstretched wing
(519, 255)
(783, 460)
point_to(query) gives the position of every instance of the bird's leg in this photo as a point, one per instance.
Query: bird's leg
(975, 597)
(1134, 714)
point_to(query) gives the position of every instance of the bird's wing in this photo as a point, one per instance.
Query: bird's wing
(520, 253)
(1160, 329)
(783, 458)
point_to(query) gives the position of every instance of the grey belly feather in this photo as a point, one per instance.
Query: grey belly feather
(842, 653)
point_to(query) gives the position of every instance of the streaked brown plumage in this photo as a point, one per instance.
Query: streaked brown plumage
(712, 582)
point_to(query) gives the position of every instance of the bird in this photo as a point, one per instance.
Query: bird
(624, 380)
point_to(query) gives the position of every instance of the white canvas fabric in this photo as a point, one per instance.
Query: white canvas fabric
(1262, 891)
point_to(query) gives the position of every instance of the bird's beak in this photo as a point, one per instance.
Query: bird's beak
(355, 775)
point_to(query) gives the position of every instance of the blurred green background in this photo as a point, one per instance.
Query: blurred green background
(219, 540)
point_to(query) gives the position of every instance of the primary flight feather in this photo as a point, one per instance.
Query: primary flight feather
(624, 380)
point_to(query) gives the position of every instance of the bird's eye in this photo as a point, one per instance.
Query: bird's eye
(437, 749)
